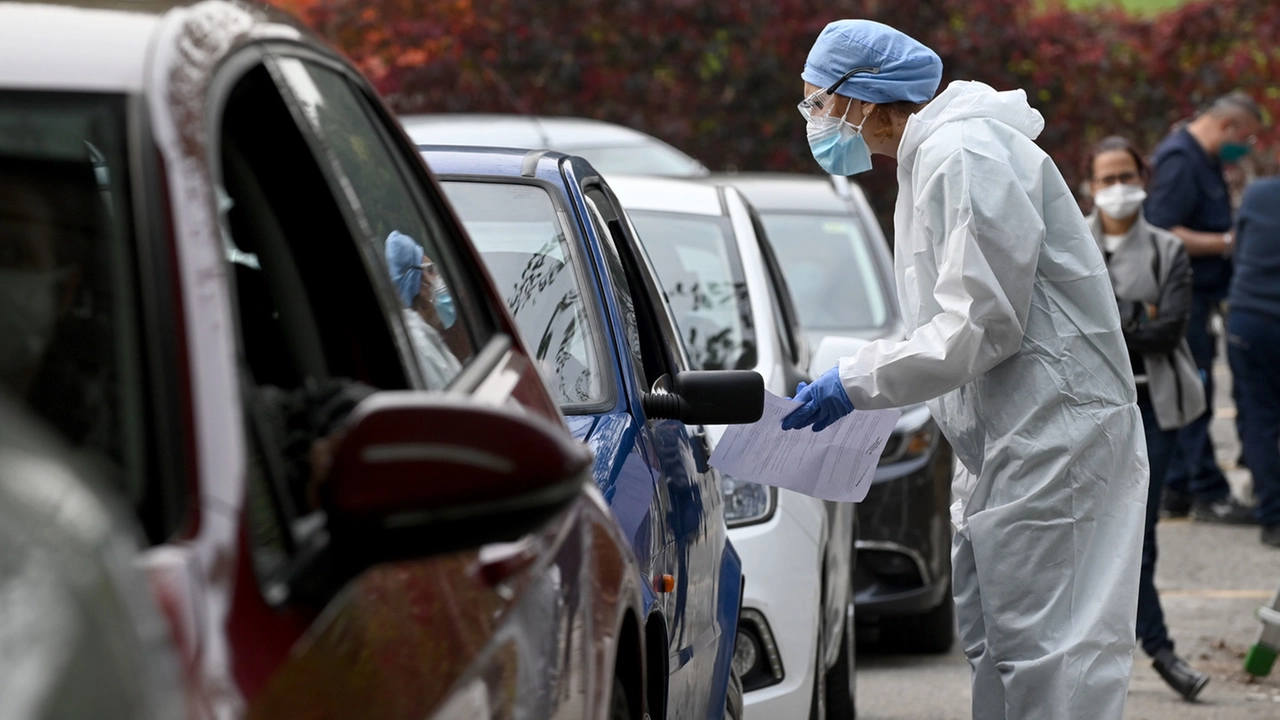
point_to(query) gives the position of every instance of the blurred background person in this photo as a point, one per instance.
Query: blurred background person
(1151, 275)
(1189, 197)
(1253, 345)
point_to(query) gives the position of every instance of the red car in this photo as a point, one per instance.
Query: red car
(229, 282)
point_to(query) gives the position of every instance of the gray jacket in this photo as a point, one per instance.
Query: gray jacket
(1151, 267)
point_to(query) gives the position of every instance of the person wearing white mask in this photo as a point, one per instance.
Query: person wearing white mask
(1151, 273)
(1013, 338)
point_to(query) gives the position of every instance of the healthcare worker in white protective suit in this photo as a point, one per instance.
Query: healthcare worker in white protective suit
(1014, 339)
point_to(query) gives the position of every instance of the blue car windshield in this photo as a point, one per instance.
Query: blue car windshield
(696, 258)
(519, 233)
(830, 270)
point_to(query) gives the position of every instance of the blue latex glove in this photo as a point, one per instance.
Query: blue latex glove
(825, 402)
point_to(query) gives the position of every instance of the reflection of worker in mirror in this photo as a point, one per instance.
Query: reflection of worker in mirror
(429, 310)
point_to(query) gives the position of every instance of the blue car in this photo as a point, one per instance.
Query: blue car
(589, 306)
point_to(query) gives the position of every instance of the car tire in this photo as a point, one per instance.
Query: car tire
(733, 707)
(842, 686)
(930, 633)
(619, 703)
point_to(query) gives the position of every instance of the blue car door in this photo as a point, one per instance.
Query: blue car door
(704, 575)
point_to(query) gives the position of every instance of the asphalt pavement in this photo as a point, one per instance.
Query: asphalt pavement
(1210, 577)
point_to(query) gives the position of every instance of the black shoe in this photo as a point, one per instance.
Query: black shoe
(1174, 504)
(1271, 535)
(1184, 679)
(1227, 511)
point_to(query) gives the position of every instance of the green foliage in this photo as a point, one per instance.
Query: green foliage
(721, 79)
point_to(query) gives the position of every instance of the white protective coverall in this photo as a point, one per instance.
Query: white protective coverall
(1014, 339)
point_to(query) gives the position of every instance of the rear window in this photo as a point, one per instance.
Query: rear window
(651, 159)
(696, 258)
(521, 237)
(69, 348)
(831, 271)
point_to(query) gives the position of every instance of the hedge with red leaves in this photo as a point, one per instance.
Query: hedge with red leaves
(721, 79)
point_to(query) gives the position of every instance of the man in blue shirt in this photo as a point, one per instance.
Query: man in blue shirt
(1253, 345)
(1189, 197)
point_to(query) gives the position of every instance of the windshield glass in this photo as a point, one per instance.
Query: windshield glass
(651, 159)
(696, 259)
(831, 271)
(68, 344)
(519, 234)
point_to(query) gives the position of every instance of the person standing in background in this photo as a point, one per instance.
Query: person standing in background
(1253, 345)
(1151, 275)
(1189, 197)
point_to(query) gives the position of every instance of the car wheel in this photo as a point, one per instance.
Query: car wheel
(842, 686)
(733, 709)
(619, 706)
(931, 633)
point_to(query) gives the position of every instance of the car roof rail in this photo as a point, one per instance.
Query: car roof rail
(840, 184)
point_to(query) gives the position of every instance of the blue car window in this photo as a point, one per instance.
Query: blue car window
(521, 236)
(697, 261)
(830, 270)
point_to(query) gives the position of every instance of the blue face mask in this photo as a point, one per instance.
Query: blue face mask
(443, 302)
(838, 146)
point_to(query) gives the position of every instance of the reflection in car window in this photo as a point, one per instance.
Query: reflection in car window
(618, 275)
(379, 189)
(830, 270)
(696, 259)
(68, 342)
(522, 240)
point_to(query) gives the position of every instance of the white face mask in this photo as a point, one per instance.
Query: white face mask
(1120, 201)
(28, 313)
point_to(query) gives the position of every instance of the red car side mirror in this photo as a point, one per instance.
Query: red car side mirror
(412, 458)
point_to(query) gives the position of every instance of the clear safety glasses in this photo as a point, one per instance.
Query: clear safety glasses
(818, 105)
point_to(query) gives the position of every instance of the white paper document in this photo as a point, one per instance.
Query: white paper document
(835, 464)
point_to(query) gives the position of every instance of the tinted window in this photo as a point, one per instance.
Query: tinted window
(522, 239)
(830, 270)
(409, 246)
(69, 340)
(696, 258)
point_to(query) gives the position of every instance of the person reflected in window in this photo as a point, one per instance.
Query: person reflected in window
(429, 311)
(51, 351)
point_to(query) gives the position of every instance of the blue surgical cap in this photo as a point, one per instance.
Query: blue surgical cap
(908, 70)
(404, 260)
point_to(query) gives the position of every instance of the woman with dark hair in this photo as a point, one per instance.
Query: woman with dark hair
(1151, 274)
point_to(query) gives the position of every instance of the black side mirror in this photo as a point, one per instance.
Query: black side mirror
(707, 397)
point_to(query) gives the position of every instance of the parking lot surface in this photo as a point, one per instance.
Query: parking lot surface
(1211, 578)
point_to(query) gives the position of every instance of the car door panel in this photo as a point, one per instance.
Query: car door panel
(696, 641)
(394, 639)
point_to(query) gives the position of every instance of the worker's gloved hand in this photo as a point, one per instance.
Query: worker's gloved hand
(825, 402)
